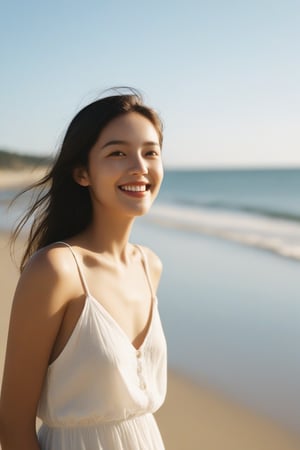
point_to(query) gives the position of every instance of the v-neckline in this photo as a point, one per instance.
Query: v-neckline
(118, 326)
(105, 311)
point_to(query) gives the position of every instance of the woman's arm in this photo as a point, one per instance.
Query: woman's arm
(38, 308)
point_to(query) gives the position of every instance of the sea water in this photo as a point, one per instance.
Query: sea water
(229, 241)
(260, 208)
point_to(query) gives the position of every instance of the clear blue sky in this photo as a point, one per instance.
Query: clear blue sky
(225, 75)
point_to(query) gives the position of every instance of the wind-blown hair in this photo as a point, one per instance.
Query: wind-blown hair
(62, 208)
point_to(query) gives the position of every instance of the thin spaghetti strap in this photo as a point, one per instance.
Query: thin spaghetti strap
(146, 267)
(82, 278)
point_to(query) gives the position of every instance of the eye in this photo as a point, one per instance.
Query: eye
(117, 153)
(152, 153)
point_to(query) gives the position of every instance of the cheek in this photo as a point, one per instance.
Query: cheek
(103, 173)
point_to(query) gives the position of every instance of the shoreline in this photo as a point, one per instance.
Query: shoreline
(193, 416)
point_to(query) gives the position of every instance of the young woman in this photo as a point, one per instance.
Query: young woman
(86, 351)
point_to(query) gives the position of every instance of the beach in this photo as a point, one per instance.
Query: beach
(196, 415)
(10, 178)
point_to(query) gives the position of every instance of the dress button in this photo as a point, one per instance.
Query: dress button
(143, 385)
(139, 369)
(138, 353)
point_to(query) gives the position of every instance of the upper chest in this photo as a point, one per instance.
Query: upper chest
(125, 294)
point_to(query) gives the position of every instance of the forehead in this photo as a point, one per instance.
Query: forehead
(129, 127)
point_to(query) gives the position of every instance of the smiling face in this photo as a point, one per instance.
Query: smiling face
(125, 170)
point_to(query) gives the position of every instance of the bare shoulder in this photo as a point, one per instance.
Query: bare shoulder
(155, 265)
(55, 258)
(50, 270)
(153, 259)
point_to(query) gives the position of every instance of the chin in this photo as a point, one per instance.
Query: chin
(138, 212)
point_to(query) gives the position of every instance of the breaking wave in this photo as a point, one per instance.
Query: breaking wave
(277, 233)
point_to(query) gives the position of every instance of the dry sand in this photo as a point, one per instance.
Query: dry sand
(20, 178)
(193, 417)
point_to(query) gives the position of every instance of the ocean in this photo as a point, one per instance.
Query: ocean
(260, 208)
(230, 244)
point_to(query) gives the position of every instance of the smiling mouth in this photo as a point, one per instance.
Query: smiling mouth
(135, 187)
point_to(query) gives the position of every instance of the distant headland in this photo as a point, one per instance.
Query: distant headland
(20, 170)
(17, 161)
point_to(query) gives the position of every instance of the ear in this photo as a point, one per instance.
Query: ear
(81, 177)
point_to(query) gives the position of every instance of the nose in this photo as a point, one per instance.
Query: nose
(138, 165)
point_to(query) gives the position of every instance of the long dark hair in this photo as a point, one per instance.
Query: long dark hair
(62, 208)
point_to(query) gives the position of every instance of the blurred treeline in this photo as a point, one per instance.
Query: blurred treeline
(12, 160)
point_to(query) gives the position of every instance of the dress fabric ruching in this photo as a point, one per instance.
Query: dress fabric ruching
(100, 392)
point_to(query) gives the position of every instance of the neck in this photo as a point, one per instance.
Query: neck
(109, 235)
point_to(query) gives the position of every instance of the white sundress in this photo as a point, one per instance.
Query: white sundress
(100, 392)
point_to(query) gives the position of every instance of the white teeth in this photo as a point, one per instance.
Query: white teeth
(140, 188)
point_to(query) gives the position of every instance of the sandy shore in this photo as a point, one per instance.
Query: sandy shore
(20, 178)
(193, 417)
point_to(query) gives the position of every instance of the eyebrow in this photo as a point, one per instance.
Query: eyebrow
(118, 142)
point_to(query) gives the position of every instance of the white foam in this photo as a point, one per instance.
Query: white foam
(277, 235)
